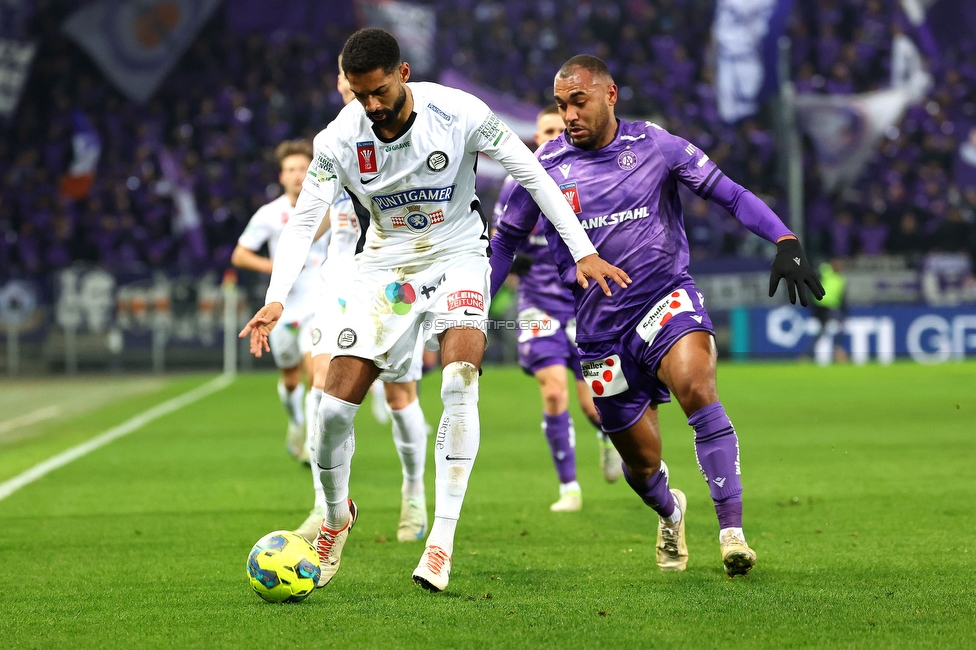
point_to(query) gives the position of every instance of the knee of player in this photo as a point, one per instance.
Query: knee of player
(554, 400)
(643, 468)
(460, 379)
(696, 392)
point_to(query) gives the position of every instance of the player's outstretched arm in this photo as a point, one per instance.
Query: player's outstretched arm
(791, 264)
(597, 268)
(260, 326)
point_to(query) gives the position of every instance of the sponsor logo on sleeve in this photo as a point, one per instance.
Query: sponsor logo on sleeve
(366, 154)
(677, 302)
(494, 130)
(627, 160)
(322, 170)
(605, 377)
(704, 159)
(572, 196)
(460, 299)
(417, 195)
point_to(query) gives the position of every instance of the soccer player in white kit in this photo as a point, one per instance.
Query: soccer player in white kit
(400, 398)
(291, 344)
(409, 158)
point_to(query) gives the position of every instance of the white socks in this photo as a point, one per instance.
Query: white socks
(455, 449)
(293, 402)
(312, 400)
(410, 438)
(334, 446)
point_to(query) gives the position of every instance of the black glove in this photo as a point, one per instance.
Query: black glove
(791, 263)
(521, 264)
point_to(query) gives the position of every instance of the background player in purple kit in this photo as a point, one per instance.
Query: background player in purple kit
(621, 180)
(547, 350)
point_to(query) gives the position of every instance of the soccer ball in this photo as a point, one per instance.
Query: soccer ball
(283, 568)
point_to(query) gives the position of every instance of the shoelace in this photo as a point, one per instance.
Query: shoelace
(669, 537)
(436, 558)
(326, 540)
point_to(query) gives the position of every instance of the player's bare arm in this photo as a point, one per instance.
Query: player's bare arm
(245, 258)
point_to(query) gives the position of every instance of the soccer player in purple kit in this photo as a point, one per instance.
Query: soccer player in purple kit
(654, 336)
(547, 343)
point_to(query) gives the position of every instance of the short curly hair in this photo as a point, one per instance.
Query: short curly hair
(370, 49)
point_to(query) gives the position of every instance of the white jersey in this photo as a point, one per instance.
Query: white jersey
(345, 233)
(265, 227)
(419, 187)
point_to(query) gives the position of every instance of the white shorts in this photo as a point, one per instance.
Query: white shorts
(324, 335)
(290, 340)
(391, 315)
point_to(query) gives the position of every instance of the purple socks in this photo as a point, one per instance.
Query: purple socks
(562, 444)
(654, 493)
(717, 449)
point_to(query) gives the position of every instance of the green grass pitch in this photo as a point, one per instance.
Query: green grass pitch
(859, 499)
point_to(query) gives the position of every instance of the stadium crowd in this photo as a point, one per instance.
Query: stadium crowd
(212, 126)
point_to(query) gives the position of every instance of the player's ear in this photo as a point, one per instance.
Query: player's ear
(404, 72)
(612, 94)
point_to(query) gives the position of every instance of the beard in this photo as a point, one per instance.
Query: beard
(593, 133)
(387, 115)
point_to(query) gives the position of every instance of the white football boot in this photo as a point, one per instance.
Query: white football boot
(737, 557)
(434, 570)
(672, 547)
(413, 519)
(610, 461)
(329, 545)
(295, 442)
(570, 498)
(312, 524)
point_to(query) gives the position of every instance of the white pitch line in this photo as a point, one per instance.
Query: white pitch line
(60, 460)
(29, 418)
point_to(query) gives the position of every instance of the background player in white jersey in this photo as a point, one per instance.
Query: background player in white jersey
(547, 351)
(291, 344)
(398, 399)
(409, 158)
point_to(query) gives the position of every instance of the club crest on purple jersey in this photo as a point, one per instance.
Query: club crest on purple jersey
(627, 160)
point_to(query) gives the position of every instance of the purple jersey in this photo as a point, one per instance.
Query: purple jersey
(626, 197)
(541, 287)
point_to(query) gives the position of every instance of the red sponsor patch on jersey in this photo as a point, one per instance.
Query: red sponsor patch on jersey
(572, 196)
(367, 157)
(460, 299)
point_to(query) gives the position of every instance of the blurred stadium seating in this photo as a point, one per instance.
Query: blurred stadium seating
(179, 176)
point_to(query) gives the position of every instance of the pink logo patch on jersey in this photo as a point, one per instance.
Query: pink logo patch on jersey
(572, 196)
(661, 314)
(460, 299)
(367, 157)
(605, 377)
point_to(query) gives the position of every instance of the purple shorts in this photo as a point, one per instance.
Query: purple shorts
(622, 373)
(540, 346)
